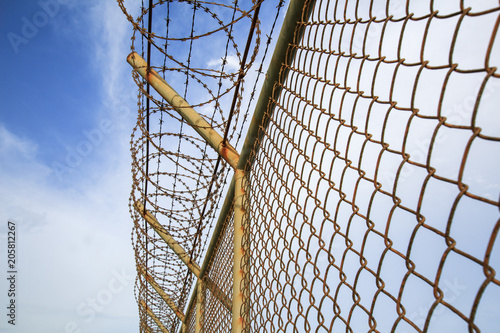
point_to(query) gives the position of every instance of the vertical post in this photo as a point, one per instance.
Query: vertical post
(240, 269)
(200, 307)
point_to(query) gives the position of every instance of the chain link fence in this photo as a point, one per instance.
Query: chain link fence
(372, 190)
(373, 201)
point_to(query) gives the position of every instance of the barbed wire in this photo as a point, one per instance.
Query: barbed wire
(185, 187)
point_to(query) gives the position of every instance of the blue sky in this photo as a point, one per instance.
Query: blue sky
(68, 106)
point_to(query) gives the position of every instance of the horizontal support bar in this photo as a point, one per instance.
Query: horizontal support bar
(171, 242)
(162, 293)
(153, 316)
(146, 327)
(218, 293)
(228, 153)
(193, 267)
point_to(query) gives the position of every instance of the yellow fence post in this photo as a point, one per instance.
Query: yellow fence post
(162, 293)
(240, 266)
(171, 242)
(182, 254)
(193, 118)
(200, 307)
(153, 316)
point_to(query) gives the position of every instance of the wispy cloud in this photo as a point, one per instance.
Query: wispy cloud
(232, 63)
(10, 142)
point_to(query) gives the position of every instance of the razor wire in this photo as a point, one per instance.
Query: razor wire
(185, 181)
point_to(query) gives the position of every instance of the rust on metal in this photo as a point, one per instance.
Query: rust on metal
(153, 316)
(198, 123)
(200, 307)
(162, 293)
(181, 253)
(240, 266)
(355, 139)
(172, 243)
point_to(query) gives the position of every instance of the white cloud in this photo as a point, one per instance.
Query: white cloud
(69, 242)
(232, 64)
(9, 141)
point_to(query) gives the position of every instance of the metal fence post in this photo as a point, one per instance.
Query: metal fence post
(200, 307)
(162, 293)
(194, 119)
(240, 269)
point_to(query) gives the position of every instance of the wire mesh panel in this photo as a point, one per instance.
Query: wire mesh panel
(220, 271)
(374, 190)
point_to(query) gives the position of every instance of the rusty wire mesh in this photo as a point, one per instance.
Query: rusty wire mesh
(373, 189)
(220, 271)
